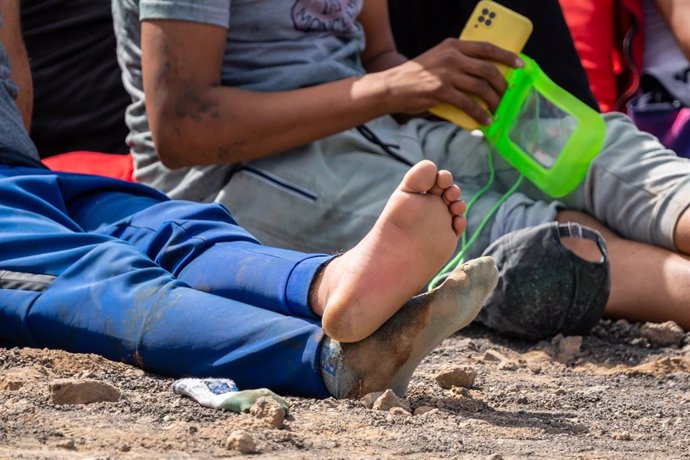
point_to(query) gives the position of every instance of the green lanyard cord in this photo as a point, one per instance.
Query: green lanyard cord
(465, 245)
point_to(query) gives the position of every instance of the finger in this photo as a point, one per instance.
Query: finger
(467, 104)
(486, 71)
(490, 52)
(480, 88)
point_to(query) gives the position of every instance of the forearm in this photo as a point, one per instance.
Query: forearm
(227, 125)
(386, 60)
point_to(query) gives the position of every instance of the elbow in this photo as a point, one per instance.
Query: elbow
(171, 144)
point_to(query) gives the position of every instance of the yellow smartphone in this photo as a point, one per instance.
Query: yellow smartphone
(493, 23)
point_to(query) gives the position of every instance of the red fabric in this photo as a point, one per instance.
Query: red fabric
(599, 29)
(100, 164)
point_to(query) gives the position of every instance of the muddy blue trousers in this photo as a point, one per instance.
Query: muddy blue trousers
(95, 265)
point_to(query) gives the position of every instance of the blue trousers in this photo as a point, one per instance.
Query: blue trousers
(95, 265)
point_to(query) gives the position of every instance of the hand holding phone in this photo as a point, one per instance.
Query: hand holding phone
(492, 23)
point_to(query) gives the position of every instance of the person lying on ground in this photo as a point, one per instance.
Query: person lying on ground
(280, 110)
(95, 265)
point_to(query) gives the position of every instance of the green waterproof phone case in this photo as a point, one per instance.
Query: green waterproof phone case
(545, 132)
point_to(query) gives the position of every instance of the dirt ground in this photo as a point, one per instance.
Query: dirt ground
(617, 396)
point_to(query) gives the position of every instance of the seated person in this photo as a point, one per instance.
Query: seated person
(280, 110)
(95, 265)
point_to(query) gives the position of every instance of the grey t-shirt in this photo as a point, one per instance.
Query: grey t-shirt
(15, 146)
(271, 45)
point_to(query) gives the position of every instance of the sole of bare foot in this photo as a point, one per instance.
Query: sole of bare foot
(415, 235)
(388, 358)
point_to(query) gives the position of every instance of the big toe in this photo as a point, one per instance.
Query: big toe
(420, 178)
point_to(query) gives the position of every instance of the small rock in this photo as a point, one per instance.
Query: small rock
(662, 334)
(268, 409)
(71, 391)
(66, 444)
(640, 342)
(421, 410)
(493, 356)
(125, 448)
(399, 411)
(622, 436)
(560, 391)
(241, 441)
(494, 457)
(11, 385)
(388, 400)
(461, 392)
(567, 348)
(622, 323)
(508, 366)
(369, 399)
(458, 376)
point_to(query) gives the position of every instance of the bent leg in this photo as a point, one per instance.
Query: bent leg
(648, 283)
(637, 187)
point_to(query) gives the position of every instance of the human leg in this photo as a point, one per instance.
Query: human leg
(94, 293)
(648, 283)
(635, 184)
(637, 188)
(63, 288)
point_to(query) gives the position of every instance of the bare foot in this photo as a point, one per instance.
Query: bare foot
(388, 357)
(416, 234)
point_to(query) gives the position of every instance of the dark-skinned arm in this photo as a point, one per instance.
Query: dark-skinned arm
(197, 121)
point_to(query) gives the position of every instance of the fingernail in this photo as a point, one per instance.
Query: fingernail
(489, 120)
(519, 62)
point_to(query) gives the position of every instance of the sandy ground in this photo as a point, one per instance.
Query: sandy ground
(616, 396)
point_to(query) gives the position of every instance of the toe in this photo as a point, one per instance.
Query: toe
(420, 178)
(459, 225)
(452, 194)
(457, 208)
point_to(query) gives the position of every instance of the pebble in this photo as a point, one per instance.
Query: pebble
(268, 409)
(508, 366)
(72, 391)
(422, 410)
(458, 376)
(399, 411)
(369, 399)
(67, 444)
(663, 334)
(389, 400)
(567, 348)
(241, 441)
(622, 436)
(493, 356)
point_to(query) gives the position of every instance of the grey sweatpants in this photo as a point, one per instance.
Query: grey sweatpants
(326, 196)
